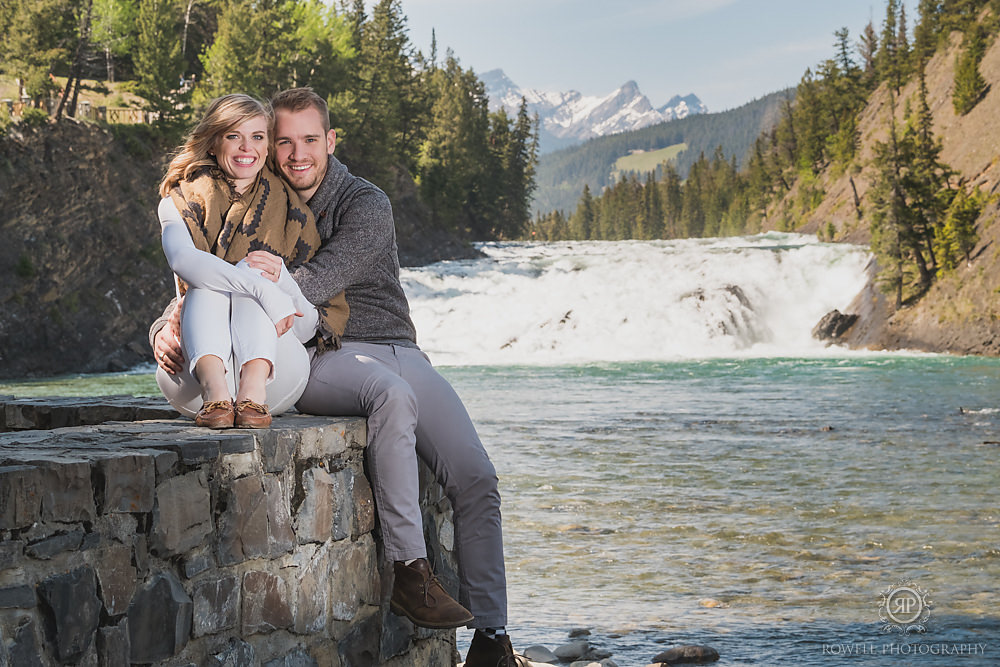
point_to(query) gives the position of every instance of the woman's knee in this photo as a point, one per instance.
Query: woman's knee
(182, 391)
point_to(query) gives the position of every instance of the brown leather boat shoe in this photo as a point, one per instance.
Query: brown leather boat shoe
(215, 414)
(252, 415)
(419, 596)
(486, 652)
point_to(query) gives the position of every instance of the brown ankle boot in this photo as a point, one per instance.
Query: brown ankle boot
(418, 595)
(486, 652)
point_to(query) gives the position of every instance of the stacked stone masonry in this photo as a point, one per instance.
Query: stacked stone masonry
(156, 542)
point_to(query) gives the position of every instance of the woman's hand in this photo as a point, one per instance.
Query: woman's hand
(269, 265)
(167, 343)
(283, 325)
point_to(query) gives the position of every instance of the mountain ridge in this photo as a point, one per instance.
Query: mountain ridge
(562, 174)
(569, 118)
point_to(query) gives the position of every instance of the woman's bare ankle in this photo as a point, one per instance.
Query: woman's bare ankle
(253, 381)
(211, 373)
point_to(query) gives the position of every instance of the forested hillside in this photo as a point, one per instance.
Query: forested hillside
(891, 142)
(396, 110)
(81, 267)
(562, 174)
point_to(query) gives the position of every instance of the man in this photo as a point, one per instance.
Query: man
(380, 372)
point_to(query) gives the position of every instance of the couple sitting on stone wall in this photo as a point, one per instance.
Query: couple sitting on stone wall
(290, 295)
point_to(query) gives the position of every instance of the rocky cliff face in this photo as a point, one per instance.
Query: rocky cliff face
(960, 313)
(82, 274)
(81, 270)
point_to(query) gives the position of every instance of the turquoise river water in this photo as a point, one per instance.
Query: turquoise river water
(761, 506)
(681, 462)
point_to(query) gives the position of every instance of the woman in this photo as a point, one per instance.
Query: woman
(220, 202)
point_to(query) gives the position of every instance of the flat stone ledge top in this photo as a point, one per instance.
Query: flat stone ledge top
(290, 436)
(18, 414)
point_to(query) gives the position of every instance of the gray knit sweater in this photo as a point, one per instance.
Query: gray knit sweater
(358, 255)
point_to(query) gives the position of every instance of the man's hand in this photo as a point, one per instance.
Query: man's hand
(283, 325)
(268, 264)
(167, 343)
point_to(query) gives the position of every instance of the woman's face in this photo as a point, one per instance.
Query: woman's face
(241, 151)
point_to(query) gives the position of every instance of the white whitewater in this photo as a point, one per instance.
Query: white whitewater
(582, 302)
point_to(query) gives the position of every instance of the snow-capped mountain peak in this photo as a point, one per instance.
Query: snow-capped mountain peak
(570, 117)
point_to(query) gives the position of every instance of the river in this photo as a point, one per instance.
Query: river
(681, 463)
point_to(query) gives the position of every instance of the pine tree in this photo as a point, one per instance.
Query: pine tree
(888, 214)
(199, 23)
(653, 209)
(958, 235)
(38, 40)
(758, 179)
(910, 194)
(926, 32)
(925, 182)
(903, 53)
(673, 202)
(81, 47)
(843, 48)
(457, 171)
(810, 121)
(158, 62)
(113, 30)
(515, 153)
(263, 46)
(581, 224)
(785, 135)
(970, 86)
(868, 48)
(383, 86)
(959, 14)
(692, 218)
(890, 58)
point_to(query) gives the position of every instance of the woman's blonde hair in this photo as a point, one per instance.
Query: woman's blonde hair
(223, 114)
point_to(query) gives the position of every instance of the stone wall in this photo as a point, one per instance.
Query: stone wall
(155, 542)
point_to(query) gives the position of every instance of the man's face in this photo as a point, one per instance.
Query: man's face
(301, 147)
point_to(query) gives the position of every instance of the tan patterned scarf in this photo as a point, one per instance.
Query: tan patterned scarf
(267, 216)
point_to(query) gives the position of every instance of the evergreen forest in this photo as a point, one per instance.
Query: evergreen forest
(400, 114)
(404, 117)
(922, 216)
(563, 173)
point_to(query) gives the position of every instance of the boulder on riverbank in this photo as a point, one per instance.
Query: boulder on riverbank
(690, 654)
(833, 325)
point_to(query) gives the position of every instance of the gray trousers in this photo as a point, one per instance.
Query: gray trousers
(413, 411)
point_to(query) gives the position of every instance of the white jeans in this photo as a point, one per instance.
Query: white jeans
(234, 328)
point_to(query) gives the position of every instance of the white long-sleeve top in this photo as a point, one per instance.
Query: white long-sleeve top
(203, 269)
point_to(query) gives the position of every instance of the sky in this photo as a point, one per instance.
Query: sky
(727, 52)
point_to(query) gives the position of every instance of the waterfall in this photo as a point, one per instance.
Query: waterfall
(592, 301)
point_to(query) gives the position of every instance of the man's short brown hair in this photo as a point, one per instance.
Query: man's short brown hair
(297, 99)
